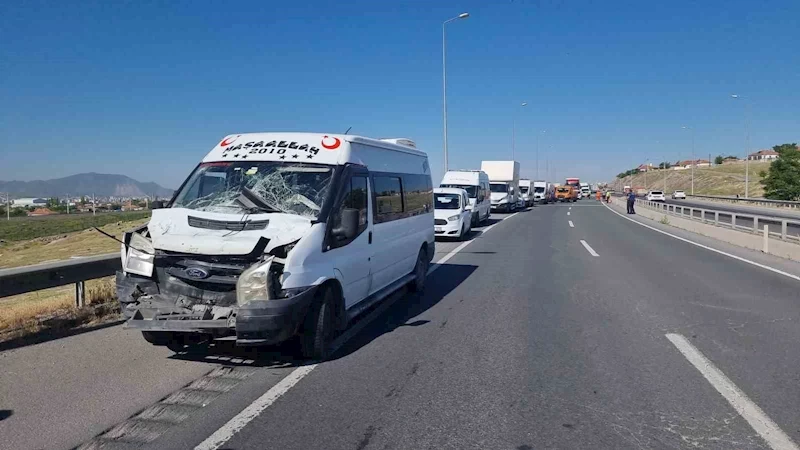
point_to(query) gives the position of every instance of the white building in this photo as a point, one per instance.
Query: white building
(27, 202)
(763, 155)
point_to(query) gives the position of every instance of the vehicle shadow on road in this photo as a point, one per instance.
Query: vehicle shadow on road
(6, 413)
(403, 307)
(408, 306)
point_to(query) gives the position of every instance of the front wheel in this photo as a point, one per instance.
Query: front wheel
(318, 329)
(420, 272)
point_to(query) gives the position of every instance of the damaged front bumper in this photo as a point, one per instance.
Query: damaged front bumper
(258, 322)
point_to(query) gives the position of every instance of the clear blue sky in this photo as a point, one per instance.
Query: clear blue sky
(146, 88)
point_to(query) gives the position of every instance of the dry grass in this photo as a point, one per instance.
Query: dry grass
(727, 179)
(52, 248)
(32, 312)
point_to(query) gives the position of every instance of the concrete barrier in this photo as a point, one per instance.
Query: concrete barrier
(775, 247)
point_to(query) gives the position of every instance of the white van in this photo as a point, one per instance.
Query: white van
(451, 213)
(540, 191)
(476, 183)
(526, 191)
(278, 234)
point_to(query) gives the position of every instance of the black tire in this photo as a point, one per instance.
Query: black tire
(319, 327)
(159, 338)
(420, 272)
(475, 219)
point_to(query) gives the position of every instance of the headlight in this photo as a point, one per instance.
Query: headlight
(139, 259)
(252, 283)
(453, 218)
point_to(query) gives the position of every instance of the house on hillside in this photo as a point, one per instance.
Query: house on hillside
(730, 160)
(689, 163)
(645, 167)
(763, 155)
(702, 163)
(682, 165)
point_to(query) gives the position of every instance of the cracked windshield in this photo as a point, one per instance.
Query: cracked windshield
(361, 225)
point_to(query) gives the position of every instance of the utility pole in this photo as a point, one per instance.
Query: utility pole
(665, 177)
(67, 203)
(8, 206)
(94, 207)
(645, 174)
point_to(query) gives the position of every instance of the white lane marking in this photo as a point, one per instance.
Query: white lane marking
(588, 248)
(571, 225)
(252, 411)
(568, 212)
(446, 257)
(239, 421)
(570, 207)
(758, 419)
(738, 258)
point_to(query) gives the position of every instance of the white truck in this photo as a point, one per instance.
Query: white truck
(539, 191)
(586, 191)
(503, 182)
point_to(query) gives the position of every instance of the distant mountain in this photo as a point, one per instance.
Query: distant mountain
(99, 184)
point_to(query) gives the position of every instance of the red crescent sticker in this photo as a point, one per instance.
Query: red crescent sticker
(228, 141)
(334, 146)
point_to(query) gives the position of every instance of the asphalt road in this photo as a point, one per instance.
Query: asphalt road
(565, 326)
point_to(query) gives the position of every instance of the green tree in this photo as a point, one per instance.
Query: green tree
(718, 160)
(664, 165)
(782, 181)
(622, 175)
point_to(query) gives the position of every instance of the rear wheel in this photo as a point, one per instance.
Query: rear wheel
(319, 327)
(420, 272)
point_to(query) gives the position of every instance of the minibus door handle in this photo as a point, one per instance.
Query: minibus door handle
(370, 237)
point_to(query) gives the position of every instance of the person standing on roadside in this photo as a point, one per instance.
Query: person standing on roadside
(631, 202)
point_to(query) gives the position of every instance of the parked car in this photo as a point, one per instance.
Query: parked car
(655, 196)
(451, 212)
(276, 235)
(679, 195)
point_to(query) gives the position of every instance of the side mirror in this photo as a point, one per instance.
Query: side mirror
(348, 225)
(158, 204)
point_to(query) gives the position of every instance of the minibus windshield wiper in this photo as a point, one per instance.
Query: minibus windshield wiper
(251, 201)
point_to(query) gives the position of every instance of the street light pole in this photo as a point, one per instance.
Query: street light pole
(746, 144)
(694, 161)
(444, 80)
(665, 177)
(514, 130)
(537, 152)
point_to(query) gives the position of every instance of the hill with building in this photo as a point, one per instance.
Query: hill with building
(718, 179)
(86, 184)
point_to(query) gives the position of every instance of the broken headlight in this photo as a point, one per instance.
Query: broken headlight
(253, 283)
(140, 256)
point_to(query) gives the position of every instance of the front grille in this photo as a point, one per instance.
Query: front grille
(439, 222)
(209, 224)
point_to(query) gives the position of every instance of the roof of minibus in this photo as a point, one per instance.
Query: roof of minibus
(317, 148)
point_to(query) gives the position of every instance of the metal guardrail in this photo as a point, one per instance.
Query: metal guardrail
(753, 201)
(712, 216)
(21, 280)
